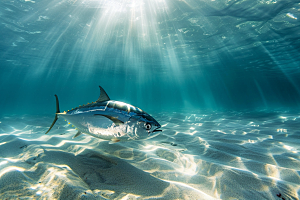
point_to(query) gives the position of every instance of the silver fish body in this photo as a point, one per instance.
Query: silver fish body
(110, 120)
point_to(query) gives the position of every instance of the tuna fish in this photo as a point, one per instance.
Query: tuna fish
(110, 120)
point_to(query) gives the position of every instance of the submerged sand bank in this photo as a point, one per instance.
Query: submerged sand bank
(212, 156)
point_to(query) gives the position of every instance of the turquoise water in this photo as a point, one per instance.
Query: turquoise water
(221, 77)
(158, 55)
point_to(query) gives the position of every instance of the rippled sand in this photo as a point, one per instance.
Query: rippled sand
(197, 156)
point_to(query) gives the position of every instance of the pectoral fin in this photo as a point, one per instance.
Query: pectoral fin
(77, 134)
(114, 119)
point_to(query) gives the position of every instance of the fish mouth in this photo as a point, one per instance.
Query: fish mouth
(152, 134)
(156, 130)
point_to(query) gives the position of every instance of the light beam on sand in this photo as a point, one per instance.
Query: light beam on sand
(3, 143)
(56, 172)
(288, 147)
(12, 160)
(151, 148)
(63, 142)
(12, 168)
(189, 166)
(189, 187)
(3, 162)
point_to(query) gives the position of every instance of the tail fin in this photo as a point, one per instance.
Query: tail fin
(57, 111)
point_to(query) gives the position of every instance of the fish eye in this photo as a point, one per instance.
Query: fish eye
(147, 126)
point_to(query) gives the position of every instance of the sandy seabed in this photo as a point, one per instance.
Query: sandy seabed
(230, 155)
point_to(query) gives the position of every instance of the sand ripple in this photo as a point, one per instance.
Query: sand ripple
(197, 156)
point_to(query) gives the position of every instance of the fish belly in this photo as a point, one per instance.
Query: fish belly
(97, 126)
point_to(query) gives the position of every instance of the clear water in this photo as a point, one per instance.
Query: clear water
(158, 55)
(168, 57)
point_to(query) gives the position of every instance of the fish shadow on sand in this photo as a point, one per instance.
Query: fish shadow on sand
(94, 173)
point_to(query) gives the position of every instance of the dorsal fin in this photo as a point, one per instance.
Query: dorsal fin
(103, 95)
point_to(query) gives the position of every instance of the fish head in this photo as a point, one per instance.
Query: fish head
(146, 126)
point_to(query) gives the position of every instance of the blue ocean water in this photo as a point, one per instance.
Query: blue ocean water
(185, 62)
(158, 55)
